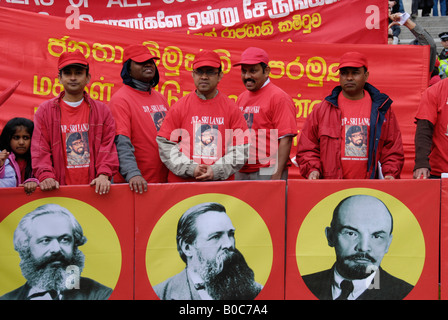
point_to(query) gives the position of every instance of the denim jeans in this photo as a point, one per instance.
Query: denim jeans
(435, 9)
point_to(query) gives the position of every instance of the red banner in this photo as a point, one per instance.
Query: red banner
(131, 238)
(444, 241)
(110, 234)
(285, 20)
(258, 222)
(306, 71)
(412, 255)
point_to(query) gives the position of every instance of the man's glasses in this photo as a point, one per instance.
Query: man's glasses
(209, 73)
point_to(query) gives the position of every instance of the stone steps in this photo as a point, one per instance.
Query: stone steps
(434, 26)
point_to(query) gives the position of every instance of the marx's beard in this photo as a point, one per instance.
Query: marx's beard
(228, 277)
(49, 273)
(351, 269)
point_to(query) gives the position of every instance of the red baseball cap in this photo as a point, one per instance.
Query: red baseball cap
(207, 58)
(353, 59)
(138, 53)
(68, 58)
(253, 55)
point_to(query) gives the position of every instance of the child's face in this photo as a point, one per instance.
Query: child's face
(20, 141)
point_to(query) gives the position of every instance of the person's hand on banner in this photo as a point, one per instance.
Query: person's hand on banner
(421, 173)
(49, 184)
(101, 183)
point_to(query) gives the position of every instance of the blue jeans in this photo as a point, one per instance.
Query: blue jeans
(435, 11)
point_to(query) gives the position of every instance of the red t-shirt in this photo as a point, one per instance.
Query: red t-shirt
(199, 126)
(266, 109)
(22, 166)
(355, 133)
(434, 108)
(138, 115)
(75, 137)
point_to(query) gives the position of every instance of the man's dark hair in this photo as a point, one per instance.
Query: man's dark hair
(263, 66)
(72, 138)
(350, 131)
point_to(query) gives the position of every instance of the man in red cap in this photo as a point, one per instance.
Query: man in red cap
(138, 111)
(267, 109)
(188, 154)
(321, 151)
(73, 111)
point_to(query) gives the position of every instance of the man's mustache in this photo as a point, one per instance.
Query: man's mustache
(57, 257)
(358, 256)
(247, 80)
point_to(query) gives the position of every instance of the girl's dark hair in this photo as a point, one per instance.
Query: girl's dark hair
(9, 130)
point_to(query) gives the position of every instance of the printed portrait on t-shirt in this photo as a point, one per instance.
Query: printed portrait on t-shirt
(77, 147)
(355, 141)
(249, 112)
(249, 119)
(158, 118)
(206, 140)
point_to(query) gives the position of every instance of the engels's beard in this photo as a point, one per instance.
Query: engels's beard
(228, 277)
(49, 273)
(358, 270)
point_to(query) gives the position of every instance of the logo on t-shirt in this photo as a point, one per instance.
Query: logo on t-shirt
(355, 141)
(158, 118)
(206, 141)
(77, 148)
(248, 113)
(157, 113)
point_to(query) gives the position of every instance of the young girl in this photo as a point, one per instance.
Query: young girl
(15, 155)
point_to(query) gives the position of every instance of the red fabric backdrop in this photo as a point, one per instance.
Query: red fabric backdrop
(31, 44)
(285, 20)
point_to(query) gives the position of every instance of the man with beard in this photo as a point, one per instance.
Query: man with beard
(47, 240)
(215, 269)
(361, 233)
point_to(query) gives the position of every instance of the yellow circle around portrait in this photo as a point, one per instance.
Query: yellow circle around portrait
(102, 250)
(405, 258)
(251, 234)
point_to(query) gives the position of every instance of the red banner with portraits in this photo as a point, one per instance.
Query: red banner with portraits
(107, 222)
(136, 243)
(131, 238)
(328, 238)
(258, 222)
(280, 20)
(306, 71)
